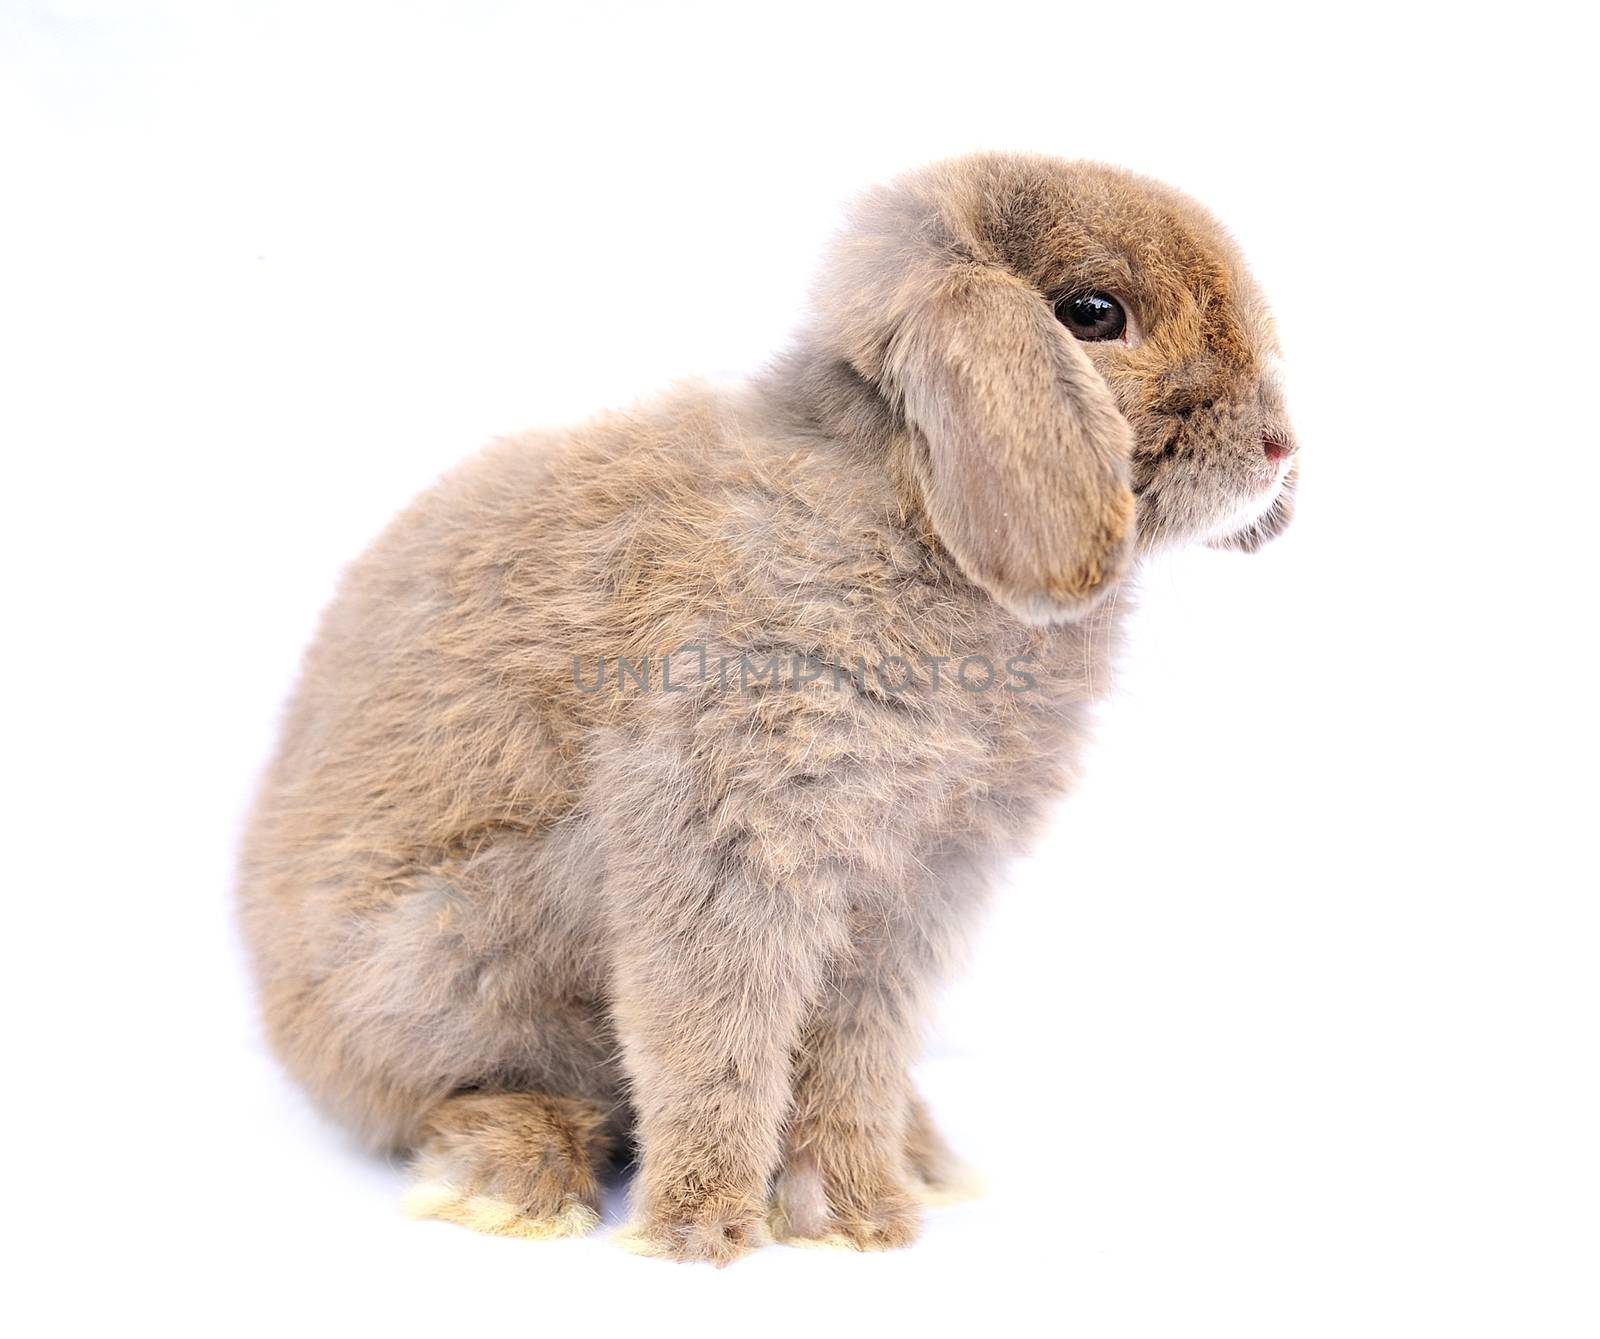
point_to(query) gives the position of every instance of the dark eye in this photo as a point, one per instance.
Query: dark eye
(1092, 315)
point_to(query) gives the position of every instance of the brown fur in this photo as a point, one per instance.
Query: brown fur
(500, 920)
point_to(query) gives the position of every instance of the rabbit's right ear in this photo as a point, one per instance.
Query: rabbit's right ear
(1022, 455)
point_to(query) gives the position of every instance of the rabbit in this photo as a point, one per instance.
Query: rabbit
(644, 779)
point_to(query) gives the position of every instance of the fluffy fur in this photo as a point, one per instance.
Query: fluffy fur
(508, 921)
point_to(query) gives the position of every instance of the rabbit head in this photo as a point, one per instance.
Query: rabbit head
(1074, 364)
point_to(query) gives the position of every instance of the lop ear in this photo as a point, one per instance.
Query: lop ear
(1022, 456)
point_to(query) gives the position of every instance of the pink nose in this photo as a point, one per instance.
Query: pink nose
(1276, 448)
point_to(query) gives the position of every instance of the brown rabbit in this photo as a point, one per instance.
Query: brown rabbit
(643, 777)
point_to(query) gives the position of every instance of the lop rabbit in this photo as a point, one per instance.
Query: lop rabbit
(643, 777)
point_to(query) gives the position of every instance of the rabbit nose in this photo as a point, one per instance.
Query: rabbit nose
(1277, 448)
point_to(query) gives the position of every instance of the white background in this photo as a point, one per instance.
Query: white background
(1289, 1027)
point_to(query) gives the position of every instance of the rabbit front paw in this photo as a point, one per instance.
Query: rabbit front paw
(843, 1196)
(696, 1227)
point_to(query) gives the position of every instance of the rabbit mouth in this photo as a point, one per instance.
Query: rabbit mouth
(1270, 483)
(1262, 496)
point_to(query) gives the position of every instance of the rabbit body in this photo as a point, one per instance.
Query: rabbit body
(512, 902)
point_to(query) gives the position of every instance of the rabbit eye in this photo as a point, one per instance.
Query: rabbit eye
(1092, 315)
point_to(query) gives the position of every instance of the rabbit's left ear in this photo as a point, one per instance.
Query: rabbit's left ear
(1022, 455)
